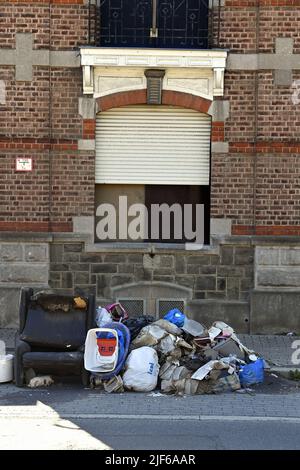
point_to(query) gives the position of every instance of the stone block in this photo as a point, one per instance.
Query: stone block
(59, 267)
(226, 254)
(163, 278)
(215, 260)
(215, 295)
(9, 307)
(243, 256)
(81, 278)
(275, 312)
(73, 247)
(221, 284)
(224, 271)
(84, 224)
(266, 256)
(163, 272)
(278, 277)
(205, 283)
(180, 264)
(234, 313)
(87, 107)
(192, 269)
(142, 274)
(198, 259)
(36, 253)
(79, 267)
(207, 270)
(247, 283)
(119, 280)
(233, 288)
(104, 268)
(103, 281)
(184, 280)
(24, 273)
(67, 280)
(283, 77)
(114, 258)
(91, 257)
(11, 252)
(220, 147)
(135, 258)
(290, 256)
(54, 276)
(56, 253)
(54, 284)
(166, 261)
(126, 268)
(87, 289)
(71, 257)
(220, 226)
(199, 295)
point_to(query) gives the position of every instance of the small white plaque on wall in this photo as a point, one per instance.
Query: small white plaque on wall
(24, 164)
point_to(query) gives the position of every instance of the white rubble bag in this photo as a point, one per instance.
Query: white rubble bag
(141, 370)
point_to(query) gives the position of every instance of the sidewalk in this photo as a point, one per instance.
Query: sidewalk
(273, 348)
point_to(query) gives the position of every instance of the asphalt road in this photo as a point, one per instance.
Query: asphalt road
(66, 416)
(134, 434)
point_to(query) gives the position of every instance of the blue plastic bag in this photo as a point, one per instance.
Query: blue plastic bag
(252, 373)
(175, 316)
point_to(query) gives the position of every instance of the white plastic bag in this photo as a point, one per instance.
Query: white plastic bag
(102, 317)
(141, 370)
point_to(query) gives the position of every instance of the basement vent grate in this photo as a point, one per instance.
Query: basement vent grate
(164, 305)
(134, 307)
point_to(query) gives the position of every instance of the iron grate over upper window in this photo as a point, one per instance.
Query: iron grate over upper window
(180, 24)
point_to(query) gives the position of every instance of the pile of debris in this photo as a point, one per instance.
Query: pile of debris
(177, 355)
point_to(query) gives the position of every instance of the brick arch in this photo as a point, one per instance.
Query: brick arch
(169, 97)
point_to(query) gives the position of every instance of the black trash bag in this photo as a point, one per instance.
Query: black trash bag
(136, 324)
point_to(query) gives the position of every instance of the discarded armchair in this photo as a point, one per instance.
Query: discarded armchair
(52, 334)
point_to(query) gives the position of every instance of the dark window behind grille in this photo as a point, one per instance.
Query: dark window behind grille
(180, 23)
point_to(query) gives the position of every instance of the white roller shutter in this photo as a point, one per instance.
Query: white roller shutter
(153, 145)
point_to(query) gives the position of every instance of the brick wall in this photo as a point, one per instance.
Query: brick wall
(62, 26)
(40, 119)
(255, 183)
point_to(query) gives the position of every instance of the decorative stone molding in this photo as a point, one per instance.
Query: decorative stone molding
(24, 57)
(107, 71)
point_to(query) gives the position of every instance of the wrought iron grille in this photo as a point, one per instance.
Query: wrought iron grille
(135, 307)
(182, 24)
(164, 305)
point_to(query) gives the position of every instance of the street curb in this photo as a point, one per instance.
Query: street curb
(284, 371)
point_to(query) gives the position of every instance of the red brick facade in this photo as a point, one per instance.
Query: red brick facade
(256, 184)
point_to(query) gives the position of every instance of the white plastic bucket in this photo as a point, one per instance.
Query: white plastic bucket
(92, 360)
(6, 368)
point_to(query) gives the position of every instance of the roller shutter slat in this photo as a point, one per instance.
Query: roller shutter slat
(152, 145)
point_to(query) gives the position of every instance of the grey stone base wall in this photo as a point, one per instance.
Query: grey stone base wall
(227, 275)
(24, 261)
(219, 277)
(275, 312)
(250, 282)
